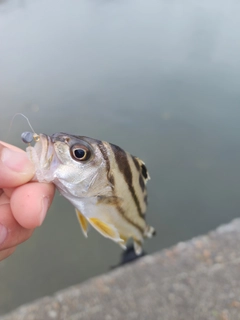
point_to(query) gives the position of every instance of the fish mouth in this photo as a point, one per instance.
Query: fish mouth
(44, 149)
(43, 156)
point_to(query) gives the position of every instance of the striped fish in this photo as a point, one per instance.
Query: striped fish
(105, 184)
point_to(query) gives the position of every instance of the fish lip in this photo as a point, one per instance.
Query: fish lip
(46, 147)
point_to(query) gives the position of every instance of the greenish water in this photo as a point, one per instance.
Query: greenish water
(159, 79)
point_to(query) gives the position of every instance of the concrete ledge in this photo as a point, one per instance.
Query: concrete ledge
(195, 280)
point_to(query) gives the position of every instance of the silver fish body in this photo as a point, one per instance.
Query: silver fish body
(105, 184)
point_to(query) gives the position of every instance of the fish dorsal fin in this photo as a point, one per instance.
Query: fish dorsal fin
(144, 170)
(141, 167)
(83, 222)
(107, 230)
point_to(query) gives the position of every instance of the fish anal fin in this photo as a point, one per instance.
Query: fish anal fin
(107, 230)
(123, 242)
(137, 247)
(83, 222)
(123, 245)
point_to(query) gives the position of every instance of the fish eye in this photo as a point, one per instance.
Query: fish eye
(80, 153)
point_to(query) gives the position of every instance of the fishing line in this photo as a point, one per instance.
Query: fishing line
(27, 137)
(21, 114)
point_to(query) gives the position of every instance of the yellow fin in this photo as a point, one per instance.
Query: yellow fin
(107, 230)
(123, 243)
(137, 247)
(82, 221)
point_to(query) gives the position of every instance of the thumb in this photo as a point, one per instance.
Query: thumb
(15, 167)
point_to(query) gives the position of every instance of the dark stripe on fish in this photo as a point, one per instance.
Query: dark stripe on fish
(146, 199)
(142, 183)
(136, 163)
(142, 169)
(115, 201)
(124, 167)
(121, 211)
(142, 173)
(104, 152)
(110, 200)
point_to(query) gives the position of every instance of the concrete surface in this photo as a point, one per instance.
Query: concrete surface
(195, 280)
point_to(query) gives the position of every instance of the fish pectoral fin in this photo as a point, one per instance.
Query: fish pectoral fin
(83, 222)
(107, 230)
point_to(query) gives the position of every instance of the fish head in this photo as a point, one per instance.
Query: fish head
(75, 151)
(73, 163)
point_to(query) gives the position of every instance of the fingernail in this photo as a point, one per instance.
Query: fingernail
(45, 205)
(16, 161)
(3, 234)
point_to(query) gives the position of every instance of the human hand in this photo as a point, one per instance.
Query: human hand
(23, 205)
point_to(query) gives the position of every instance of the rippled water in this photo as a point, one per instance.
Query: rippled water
(160, 79)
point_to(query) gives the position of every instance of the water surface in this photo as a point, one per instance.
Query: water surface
(159, 79)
